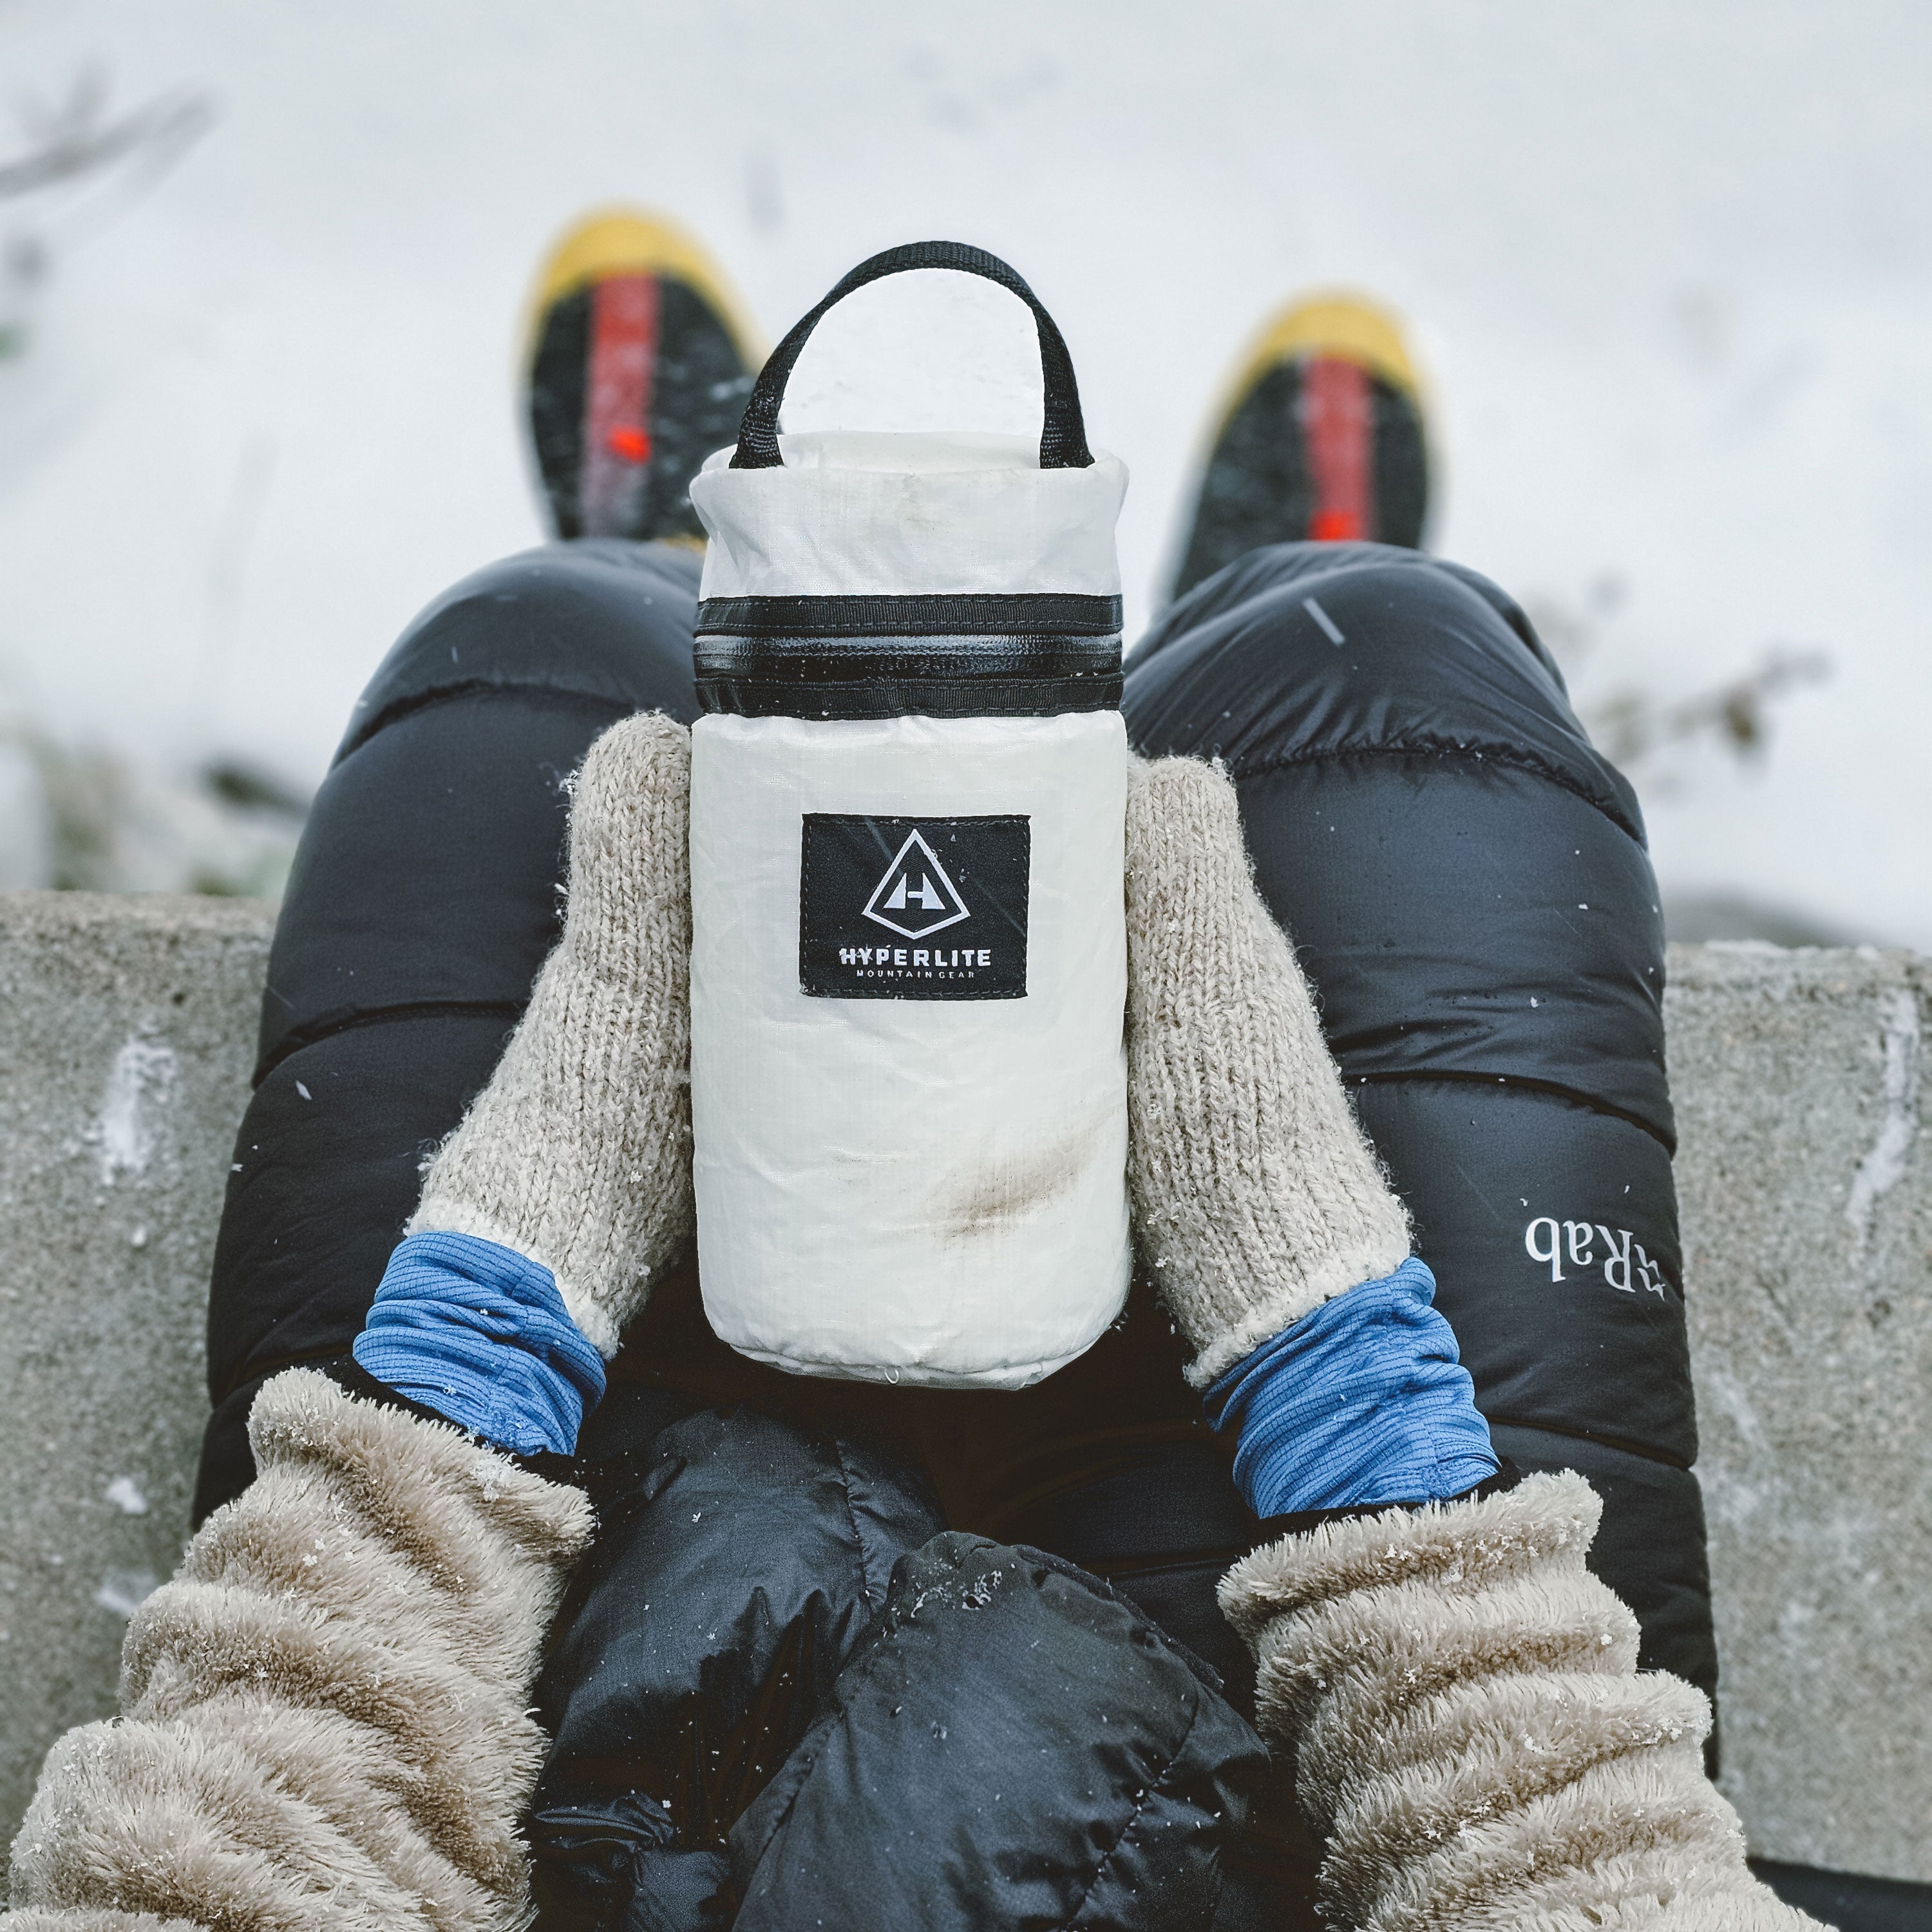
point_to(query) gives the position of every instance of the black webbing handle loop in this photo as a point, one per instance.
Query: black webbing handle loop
(1062, 436)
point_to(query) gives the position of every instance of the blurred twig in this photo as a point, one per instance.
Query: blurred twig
(110, 825)
(1631, 726)
(85, 794)
(79, 139)
(78, 149)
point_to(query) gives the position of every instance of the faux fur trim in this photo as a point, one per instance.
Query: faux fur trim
(1369, 1657)
(1463, 1546)
(1470, 1737)
(29, 1920)
(323, 1716)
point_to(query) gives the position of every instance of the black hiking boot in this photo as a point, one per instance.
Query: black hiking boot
(1322, 437)
(636, 365)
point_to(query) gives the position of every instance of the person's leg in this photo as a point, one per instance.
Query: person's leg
(424, 898)
(1466, 881)
(779, 1691)
(739, 1560)
(1013, 1744)
(1110, 1465)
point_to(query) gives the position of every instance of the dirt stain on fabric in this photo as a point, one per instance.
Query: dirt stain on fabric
(999, 1193)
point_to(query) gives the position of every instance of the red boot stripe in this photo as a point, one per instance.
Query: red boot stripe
(1338, 418)
(617, 403)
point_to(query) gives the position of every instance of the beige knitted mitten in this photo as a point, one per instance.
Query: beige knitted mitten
(323, 1723)
(1470, 1734)
(1255, 1197)
(577, 1154)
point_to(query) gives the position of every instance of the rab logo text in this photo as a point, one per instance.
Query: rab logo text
(1624, 1265)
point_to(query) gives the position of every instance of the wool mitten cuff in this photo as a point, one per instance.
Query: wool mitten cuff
(324, 1718)
(577, 1154)
(1364, 1401)
(1472, 1740)
(479, 1334)
(1255, 1196)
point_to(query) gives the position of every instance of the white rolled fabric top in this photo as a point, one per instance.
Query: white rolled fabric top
(861, 513)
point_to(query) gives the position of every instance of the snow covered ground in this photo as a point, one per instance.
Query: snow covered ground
(1668, 267)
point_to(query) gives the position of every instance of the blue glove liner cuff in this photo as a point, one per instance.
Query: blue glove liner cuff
(1363, 1401)
(478, 1333)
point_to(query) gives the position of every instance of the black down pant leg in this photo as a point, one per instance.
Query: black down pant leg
(424, 898)
(738, 1560)
(781, 1696)
(1013, 1745)
(1465, 879)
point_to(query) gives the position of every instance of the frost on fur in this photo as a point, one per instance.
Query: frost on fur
(323, 1716)
(1472, 1740)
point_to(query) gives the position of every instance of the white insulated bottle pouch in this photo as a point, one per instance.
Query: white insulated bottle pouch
(909, 959)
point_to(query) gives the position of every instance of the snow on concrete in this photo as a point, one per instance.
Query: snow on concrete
(124, 1591)
(140, 1084)
(1884, 1165)
(125, 1493)
(1667, 267)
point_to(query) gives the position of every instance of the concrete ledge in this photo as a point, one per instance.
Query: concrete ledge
(127, 1033)
(127, 1028)
(1806, 1188)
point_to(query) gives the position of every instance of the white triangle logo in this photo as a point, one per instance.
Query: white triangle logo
(916, 898)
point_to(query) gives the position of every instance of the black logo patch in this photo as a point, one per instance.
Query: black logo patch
(913, 908)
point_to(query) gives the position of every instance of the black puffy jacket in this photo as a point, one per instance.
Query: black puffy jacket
(1465, 879)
